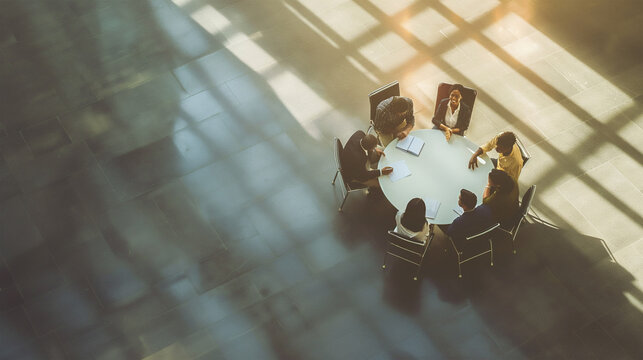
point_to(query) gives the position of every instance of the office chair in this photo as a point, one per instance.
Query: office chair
(347, 188)
(512, 229)
(523, 151)
(376, 97)
(468, 96)
(408, 249)
(472, 242)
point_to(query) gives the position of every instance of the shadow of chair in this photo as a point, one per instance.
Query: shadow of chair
(407, 249)
(347, 187)
(512, 229)
(474, 244)
(377, 96)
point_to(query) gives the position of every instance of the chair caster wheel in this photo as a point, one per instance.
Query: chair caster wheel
(514, 252)
(460, 276)
(415, 278)
(491, 264)
(383, 266)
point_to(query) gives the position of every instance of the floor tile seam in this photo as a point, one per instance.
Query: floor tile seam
(193, 202)
(599, 322)
(623, 175)
(574, 295)
(562, 194)
(567, 78)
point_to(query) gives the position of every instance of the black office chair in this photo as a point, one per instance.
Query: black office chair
(408, 249)
(376, 97)
(512, 229)
(473, 244)
(523, 152)
(468, 96)
(347, 187)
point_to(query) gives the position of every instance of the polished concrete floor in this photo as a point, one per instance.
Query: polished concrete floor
(165, 179)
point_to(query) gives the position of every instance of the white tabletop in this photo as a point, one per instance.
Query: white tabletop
(438, 173)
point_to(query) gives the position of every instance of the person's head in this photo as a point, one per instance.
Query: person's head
(505, 142)
(414, 215)
(455, 94)
(369, 142)
(500, 180)
(467, 200)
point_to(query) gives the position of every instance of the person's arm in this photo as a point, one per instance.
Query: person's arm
(473, 162)
(410, 120)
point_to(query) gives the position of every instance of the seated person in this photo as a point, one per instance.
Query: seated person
(501, 195)
(452, 116)
(394, 118)
(473, 220)
(412, 222)
(359, 153)
(509, 159)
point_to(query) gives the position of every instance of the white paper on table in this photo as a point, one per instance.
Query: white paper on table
(400, 171)
(458, 210)
(432, 207)
(479, 159)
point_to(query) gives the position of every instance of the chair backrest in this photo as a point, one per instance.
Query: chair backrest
(523, 151)
(405, 247)
(484, 233)
(468, 96)
(383, 93)
(337, 153)
(526, 200)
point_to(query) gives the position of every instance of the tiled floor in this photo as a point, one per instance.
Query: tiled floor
(166, 164)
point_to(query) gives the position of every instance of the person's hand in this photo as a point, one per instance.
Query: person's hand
(447, 133)
(387, 170)
(402, 134)
(380, 152)
(473, 162)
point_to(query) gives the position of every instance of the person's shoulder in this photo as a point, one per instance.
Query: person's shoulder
(359, 134)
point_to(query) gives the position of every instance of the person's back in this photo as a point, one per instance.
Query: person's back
(471, 222)
(503, 198)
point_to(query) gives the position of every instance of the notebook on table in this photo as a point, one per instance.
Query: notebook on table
(432, 207)
(411, 144)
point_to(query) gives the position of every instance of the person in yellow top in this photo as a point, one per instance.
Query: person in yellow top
(509, 156)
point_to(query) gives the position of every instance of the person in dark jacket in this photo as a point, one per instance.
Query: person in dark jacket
(394, 118)
(357, 157)
(501, 195)
(452, 116)
(473, 219)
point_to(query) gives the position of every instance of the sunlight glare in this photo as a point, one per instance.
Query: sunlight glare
(426, 25)
(251, 54)
(303, 102)
(362, 69)
(311, 26)
(391, 8)
(210, 19)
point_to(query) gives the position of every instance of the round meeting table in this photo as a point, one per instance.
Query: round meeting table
(438, 173)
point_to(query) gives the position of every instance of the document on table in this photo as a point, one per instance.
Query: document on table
(411, 144)
(400, 171)
(432, 207)
(458, 210)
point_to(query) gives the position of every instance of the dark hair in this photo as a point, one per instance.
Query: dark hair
(369, 142)
(398, 105)
(458, 87)
(501, 179)
(468, 198)
(414, 215)
(506, 139)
